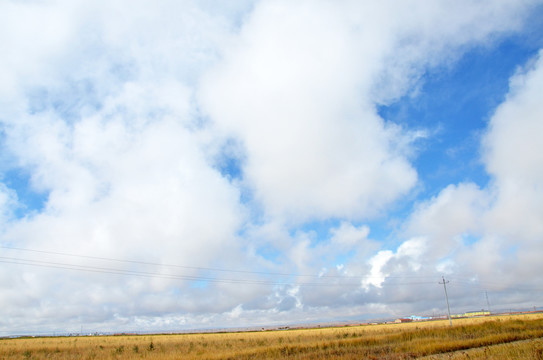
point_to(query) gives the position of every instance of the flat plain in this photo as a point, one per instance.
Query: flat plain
(496, 337)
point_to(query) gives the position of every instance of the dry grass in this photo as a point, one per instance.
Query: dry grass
(401, 341)
(523, 349)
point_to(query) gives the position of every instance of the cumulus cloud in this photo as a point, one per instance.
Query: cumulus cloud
(456, 210)
(299, 84)
(490, 235)
(109, 134)
(153, 198)
(513, 157)
(8, 201)
(128, 119)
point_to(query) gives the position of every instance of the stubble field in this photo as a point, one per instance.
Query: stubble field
(513, 337)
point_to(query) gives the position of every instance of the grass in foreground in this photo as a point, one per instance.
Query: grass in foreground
(523, 349)
(402, 341)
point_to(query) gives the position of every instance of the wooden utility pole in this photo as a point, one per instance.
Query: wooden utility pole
(447, 298)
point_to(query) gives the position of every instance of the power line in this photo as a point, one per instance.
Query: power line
(138, 262)
(483, 285)
(67, 266)
(400, 280)
(117, 271)
(176, 277)
(204, 268)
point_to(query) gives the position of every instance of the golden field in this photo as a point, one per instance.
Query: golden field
(518, 336)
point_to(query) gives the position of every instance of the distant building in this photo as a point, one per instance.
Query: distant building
(472, 314)
(477, 313)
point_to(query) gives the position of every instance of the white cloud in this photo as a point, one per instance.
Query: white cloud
(348, 235)
(408, 258)
(32, 35)
(511, 245)
(513, 156)
(493, 234)
(298, 87)
(8, 202)
(456, 210)
(377, 262)
(107, 129)
(118, 112)
(290, 93)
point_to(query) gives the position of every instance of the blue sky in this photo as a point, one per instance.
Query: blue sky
(189, 165)
(457, 103)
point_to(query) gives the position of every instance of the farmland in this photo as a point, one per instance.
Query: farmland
(484, 338)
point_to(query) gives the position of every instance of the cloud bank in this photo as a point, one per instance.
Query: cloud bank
(192, 165)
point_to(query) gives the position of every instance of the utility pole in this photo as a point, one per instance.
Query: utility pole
(447, 298)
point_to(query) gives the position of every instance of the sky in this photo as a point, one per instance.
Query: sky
(175, 165)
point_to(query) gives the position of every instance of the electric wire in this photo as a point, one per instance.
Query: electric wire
(204, 268)
(95, 269)
(117, 271)
(333, 280)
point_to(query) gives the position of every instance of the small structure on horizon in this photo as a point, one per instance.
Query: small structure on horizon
(472, 314)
